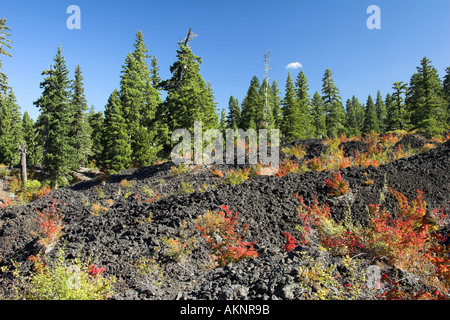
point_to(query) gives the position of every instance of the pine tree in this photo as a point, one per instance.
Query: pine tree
(397, 115)
(80, 130)
(351, 119)
(334, 110)
(446, 91)
(154, 73)
(276, 105)
(264, 115)
(34, 156)
(4, 41)
(251, 104)
(189, 98)
(291, 125)
(96, 120)
(318, 116)
(10, 118)
(381, 112)
(371, 118)
(234, 113)
(139, 100)
(54, 121)
(116, 151)
(360, 114)
(222, 122)
(426, 100)
(10, 128)
(306, 129)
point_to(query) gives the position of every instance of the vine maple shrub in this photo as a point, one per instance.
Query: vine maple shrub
(291, 243)
(409, 240)
(218, 230)
(50, 224)
(338, 187)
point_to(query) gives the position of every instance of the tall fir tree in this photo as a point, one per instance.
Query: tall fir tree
(360, 114)
(306, 129)
(371, 118)
(425, 100)
(264, 115)
(446, 91)
(318, 116)
(10, 127)
(139, 101)
(334, 109)
(10, 117)
(397, 113)
(4, 41)
(80, 130)
(277, 101)
(96, 120)
(234, 113)
(251, 104)
(380, 106)
(54, 121)
(351, 119)
(189, 98)
(154, 73)
(116, 149)
(34, 154)
(223, 121)
(291, 125)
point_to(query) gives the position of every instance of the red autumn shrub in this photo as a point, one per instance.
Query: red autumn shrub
(337, 186)
(218, 230)
(291, 243)
(50, 224)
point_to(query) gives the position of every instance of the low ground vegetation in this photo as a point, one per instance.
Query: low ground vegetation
(345, 218)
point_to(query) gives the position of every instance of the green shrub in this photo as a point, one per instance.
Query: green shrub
(63, 280)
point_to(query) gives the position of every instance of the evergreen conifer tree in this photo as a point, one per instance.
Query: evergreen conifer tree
(95, 120)
(276, 105)
(351, 119)
(305, 127)
(139, 100)
(10, 128)
(116, 149)
(397, 115)
(54, 121)
(334, 109)
(4, 41)
(189, 98)
(291, 113)
(34, 156)
(446, 91)
(360, 114)
(80, 130)
(234, 113)
(264, 114)
(154, 73)
(223, 122)
(318, 116)
(371, 118)
(426, 100)
(381, 112)
(251, 104)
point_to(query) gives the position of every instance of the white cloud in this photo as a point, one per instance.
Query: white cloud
(294, 65)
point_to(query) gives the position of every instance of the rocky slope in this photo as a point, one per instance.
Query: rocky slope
(124, 234)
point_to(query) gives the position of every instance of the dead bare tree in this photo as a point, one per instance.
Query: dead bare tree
(23, 162)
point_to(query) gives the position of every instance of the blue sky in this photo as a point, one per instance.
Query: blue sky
(232, 38)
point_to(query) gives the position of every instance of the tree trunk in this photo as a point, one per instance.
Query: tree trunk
(23, 162)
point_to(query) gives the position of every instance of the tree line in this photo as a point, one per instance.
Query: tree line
(135, 127)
